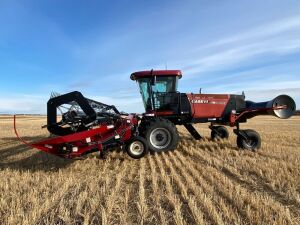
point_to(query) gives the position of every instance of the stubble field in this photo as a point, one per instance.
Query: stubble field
(201, 182)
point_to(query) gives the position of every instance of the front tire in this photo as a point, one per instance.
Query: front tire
(252, 142)
(161, 135)
(219, 132)
(137, 147)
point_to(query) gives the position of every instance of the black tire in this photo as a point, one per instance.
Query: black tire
(137, 147)
(252, 142)
(161, 135)
(219, 132)
(143, 127)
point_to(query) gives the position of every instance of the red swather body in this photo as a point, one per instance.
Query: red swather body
(88, 125)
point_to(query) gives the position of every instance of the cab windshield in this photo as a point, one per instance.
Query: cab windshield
(150, 88)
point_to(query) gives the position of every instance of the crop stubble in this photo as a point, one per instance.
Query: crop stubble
(201, 182)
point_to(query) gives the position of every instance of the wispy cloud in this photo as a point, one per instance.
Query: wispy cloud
(269, 40)
(269, 94)
(38, 104)
(48, 51)
(130, 105)
(261, 32)
(23, 104)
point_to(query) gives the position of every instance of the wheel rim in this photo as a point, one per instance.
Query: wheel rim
(251, 143)
(219, 135)
(160, 138)
(136, 148)
(222, 135)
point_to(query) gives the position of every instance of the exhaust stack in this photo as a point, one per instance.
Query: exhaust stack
(283, 107)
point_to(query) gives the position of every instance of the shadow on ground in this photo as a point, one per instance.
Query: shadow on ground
(21, 157)
(18, 156)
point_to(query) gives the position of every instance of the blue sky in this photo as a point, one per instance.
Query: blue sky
(93, 47)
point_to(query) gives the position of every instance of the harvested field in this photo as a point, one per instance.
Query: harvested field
(202, 182)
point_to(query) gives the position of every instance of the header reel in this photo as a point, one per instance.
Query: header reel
(77, 113)
(84, 126)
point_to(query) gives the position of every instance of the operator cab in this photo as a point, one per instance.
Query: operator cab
(159, 89)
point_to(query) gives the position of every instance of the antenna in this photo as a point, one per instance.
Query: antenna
(166, 65)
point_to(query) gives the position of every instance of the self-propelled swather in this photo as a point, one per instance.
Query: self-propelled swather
(81, 125)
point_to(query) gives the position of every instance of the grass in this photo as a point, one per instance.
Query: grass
(201, 182)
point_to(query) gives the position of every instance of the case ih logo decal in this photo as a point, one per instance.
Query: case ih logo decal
(203, 101)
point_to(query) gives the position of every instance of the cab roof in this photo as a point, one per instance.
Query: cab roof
(149, 73)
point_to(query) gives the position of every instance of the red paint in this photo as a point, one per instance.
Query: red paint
(163, 113)
(208, 105)
(98, 136)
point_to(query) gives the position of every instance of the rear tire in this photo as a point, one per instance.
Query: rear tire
(137, 147)
(252, 142)
(161, 135)
(219, 132)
